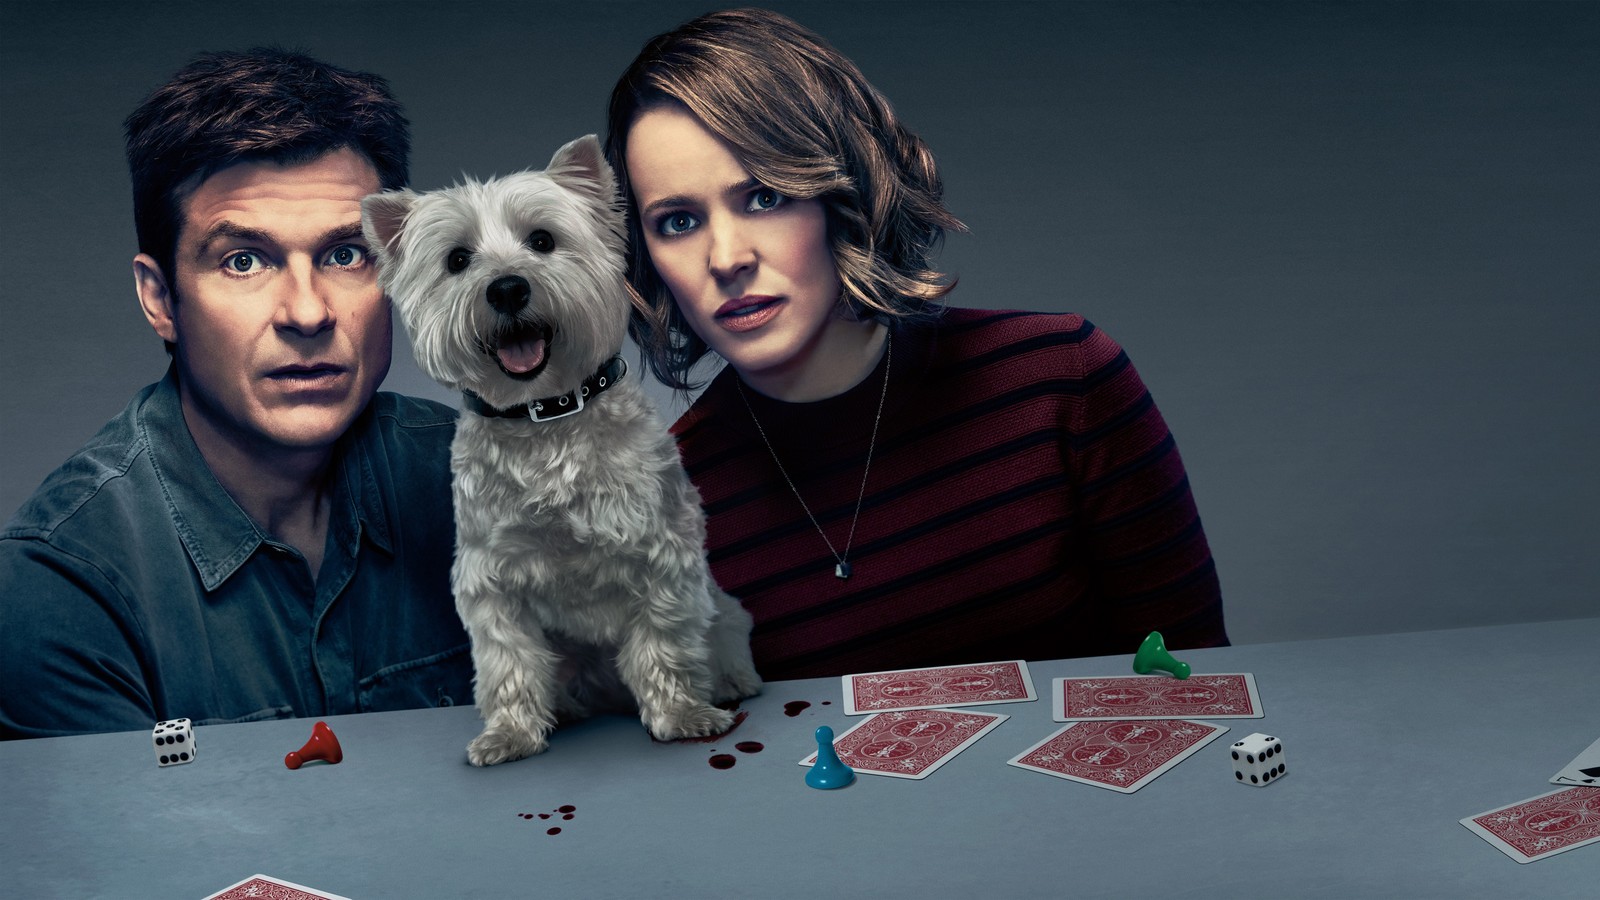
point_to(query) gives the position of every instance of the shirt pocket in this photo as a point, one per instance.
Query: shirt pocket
(442, 679)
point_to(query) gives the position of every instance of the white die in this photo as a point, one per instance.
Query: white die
(174, 740)
(1258, 760)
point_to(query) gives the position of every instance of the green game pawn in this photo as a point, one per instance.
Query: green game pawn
(1153, 655)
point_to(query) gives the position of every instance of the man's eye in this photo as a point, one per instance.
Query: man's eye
(676, 223)
(348, 256)
(764, 199)
(242, 262)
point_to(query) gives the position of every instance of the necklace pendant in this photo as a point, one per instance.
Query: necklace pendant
(842, 570)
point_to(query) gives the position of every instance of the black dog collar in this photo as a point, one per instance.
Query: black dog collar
(551, 408)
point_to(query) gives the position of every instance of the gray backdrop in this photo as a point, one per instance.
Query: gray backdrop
(1352, 248)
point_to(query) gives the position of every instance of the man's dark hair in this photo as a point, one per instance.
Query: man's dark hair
(261, 104)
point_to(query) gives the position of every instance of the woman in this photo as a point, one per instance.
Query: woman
(888, 482)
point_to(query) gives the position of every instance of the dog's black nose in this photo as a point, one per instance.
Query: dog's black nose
(509, 293)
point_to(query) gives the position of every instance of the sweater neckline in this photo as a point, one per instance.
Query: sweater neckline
(841, 420)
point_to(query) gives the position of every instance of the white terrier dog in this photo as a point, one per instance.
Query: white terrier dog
(580, 542)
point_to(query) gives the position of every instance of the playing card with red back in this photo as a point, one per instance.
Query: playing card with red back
(1132, 697)
(909, 743)
(1121, 756)
(265, 887)
(1541, 826)
(938, 687)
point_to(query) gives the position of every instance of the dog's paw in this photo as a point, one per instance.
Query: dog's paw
(692, 722)
(495, 746)
(735, 685)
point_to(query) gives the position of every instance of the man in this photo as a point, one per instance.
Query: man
(259, 534)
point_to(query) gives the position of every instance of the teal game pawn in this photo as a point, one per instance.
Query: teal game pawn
(829, 771)
(1153, 655)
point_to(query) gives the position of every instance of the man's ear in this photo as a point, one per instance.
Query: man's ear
(155, 297)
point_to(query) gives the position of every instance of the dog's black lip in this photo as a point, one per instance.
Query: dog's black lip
(516, 329)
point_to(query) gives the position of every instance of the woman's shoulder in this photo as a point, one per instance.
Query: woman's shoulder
(706, 408)
(980, 338)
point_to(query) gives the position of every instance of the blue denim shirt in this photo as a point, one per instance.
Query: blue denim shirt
(134, 589)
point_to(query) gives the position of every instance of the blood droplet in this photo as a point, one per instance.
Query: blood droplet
(795, 707)
(553, 831)
(567, 808)
(749, 746)
(722, 761)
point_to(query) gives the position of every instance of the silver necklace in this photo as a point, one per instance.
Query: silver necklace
(842, 570)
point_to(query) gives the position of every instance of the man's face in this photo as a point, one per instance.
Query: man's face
(282, 333)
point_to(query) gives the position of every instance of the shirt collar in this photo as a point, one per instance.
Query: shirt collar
(219, 536)
(367, 502)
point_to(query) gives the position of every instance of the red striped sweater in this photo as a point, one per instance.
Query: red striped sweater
(1026, 500)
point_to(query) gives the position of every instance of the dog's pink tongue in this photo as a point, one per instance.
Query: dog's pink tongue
(523, 356)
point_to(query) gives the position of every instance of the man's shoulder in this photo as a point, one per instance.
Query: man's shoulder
(406, 412)
(406, 440)
(103, 478)
(409, 426)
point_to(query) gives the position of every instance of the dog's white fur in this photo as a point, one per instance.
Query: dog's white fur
(580, 542)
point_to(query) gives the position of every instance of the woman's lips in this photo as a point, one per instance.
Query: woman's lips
(747, 313)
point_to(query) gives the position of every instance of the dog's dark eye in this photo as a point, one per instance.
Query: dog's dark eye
(541, 241)
(458, 259)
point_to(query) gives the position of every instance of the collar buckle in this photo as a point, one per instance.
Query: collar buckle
(565, 405)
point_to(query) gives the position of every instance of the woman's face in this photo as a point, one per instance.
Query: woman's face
(750, 268)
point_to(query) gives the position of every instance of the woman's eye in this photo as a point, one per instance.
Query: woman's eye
(676, 223)
(348, 256)
(764, 199)
(242, 263)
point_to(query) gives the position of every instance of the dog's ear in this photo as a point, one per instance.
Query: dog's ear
(382, 218)
(581, 166)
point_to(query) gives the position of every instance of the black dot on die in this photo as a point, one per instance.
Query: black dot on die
(1268, 754)
(1280, 768)
(163, 760)
(1235, 754)
(180, 738)
(1278, 747)
(1239, 775)
(1249, 759)
(1253, 779)
(184, 757)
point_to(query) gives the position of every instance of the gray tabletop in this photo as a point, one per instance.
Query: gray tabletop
(1392, 739)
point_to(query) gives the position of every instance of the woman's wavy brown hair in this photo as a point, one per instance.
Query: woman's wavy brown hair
(804, 121)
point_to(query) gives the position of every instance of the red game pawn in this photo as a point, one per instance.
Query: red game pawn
(323, 745)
